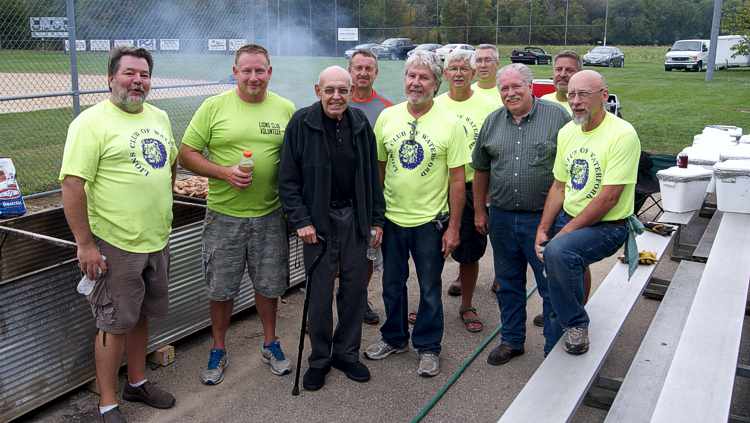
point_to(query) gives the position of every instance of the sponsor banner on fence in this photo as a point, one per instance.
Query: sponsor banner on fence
(123, 43)
(99, 45)
(169, 44)
(80, 45)
(217, 44)
(48, 26)
(236, 43)
(348, 34)
(147, 43)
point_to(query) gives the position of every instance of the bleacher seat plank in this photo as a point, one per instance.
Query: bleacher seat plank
(698, 386)
(677, 218)
(707, 240)
(558, 386)
(636, 398)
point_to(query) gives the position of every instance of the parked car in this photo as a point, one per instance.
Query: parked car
(604, 56)
(530, 56)
(445, 50)
(425, 47)
(375, 48)
(397, 48)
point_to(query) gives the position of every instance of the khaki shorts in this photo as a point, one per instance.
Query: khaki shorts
(135, 285)
(231, 244)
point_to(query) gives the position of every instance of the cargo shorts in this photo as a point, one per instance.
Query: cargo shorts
(231, 244)
(135, 285)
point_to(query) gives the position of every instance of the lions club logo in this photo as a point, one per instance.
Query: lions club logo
(410, 154)
(579, 174)
(154, 152)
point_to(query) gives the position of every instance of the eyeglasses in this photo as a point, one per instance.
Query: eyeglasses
(455, 69)
(583, 94)
(413, 131)
(333, 90)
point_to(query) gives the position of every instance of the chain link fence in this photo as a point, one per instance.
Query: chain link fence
(44, 83)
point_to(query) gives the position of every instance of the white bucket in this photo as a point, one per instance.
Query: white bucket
(733, 186)
(745, 139)
(683, 189)
(737, 152)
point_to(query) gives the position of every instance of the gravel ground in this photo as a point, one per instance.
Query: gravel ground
(250, 393)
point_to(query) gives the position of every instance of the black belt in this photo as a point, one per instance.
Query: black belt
(340, 204)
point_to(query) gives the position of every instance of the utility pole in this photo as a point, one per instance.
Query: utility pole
(715, 21)
(606, 18)
(336, 25)
(466, 26)
(278, 27)
(530, 22)
(567, 3)
(497, 20)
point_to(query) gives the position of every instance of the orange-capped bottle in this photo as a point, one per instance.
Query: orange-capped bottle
(246, 162)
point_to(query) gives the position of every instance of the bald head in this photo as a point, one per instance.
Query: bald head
(587, 80)
(334, 89)
(334, 72)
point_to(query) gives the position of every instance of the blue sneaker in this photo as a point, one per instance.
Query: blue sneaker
(213, 374)
(274, 357)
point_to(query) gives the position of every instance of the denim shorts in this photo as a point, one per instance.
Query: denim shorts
(231, 244)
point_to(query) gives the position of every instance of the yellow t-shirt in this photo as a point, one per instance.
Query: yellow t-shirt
(586, 161)
(492, 94)
(126, 160)
(471, 113)
(225, 125)
(418, 154)
(552, 97)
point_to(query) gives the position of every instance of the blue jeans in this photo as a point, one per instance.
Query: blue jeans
(424, 243)
(512, 235)
(566, 258)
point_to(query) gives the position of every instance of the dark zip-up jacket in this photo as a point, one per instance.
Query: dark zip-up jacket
(305, 172)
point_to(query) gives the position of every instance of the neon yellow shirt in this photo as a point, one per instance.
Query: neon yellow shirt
(552, 97)
(418, 154)
(586, 161)
(126, 160)
(225, 126)
(491, 94)
(471, 113)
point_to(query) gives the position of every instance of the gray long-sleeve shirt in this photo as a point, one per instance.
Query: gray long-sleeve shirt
(520, 156)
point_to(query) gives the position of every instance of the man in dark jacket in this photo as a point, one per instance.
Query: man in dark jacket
(329, 185)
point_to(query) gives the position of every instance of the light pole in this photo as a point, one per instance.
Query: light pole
(567, 3)
(497, 19)
(529, 22)
(606, 18)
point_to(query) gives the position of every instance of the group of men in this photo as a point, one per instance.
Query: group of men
(426, 178)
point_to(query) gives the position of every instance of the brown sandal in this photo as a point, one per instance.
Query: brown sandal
(472, 324)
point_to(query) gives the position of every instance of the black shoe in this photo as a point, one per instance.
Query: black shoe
(502, 354)
(371, 318)
(113, 416)
(539, 320)
(315, 378)
(150, 394)
(355, 371)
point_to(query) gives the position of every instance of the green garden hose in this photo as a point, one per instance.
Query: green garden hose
(457, 374)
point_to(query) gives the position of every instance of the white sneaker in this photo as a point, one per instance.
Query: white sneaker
(381, 350)
(429, 364)
(274, 357)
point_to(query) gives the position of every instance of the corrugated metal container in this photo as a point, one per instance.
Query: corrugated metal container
(46, 327)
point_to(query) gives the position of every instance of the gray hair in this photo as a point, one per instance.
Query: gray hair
(522, 69)
(338, 68)
(570, 54)
(460, 55)
(429, 60)
(495, 54)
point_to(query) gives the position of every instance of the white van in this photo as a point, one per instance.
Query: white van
(693, 54)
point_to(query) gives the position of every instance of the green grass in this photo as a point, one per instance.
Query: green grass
(666, 108)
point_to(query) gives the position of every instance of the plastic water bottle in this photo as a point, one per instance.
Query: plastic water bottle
(86, 285)
(372, 253)
(247, 164)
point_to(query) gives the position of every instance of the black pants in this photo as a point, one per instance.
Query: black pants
(347, 254)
